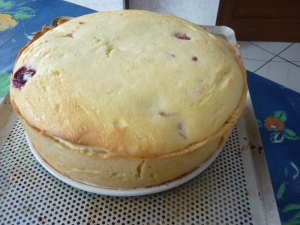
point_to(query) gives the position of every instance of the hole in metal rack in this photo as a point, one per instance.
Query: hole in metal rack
(30, 195)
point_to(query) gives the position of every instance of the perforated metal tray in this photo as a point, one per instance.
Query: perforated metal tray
(235, 189)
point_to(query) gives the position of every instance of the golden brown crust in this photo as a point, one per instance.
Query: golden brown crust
(62, 21)
(105, 170)
(36, 36)
(39, 34)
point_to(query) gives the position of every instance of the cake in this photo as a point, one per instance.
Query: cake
(127, 99)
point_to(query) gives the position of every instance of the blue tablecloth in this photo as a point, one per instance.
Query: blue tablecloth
(276, 108)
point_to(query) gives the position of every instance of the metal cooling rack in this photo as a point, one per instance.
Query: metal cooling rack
(228, 192)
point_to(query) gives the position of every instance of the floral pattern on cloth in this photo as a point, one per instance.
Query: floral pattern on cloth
(276, 124)
(11, 12)
(277, 110)
(4, 83)
(291, 173)
(277, 127)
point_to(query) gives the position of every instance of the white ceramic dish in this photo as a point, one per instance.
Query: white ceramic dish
(121, 192)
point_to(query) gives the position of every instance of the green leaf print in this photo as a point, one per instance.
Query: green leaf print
(281, 190)
(291, 207)
(289, 134)
(281, 115)
(24, 13)
(286, 172)
(4, 6)
(297, 215)
(21, 3)
(292, 222)
(259, 123)
(11, 13)
(4, 84)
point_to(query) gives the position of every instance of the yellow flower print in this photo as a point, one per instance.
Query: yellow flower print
(10, 13)
(7, 21)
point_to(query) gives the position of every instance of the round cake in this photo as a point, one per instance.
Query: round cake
(127, 99)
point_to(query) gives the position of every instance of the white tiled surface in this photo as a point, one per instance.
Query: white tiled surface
(282, 72)
(254, 57)
(276, 61)
(292, 54)
(272, 47)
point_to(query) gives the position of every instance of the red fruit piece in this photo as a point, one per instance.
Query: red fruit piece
(182, 36)
(164, 114)
(22, 76)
